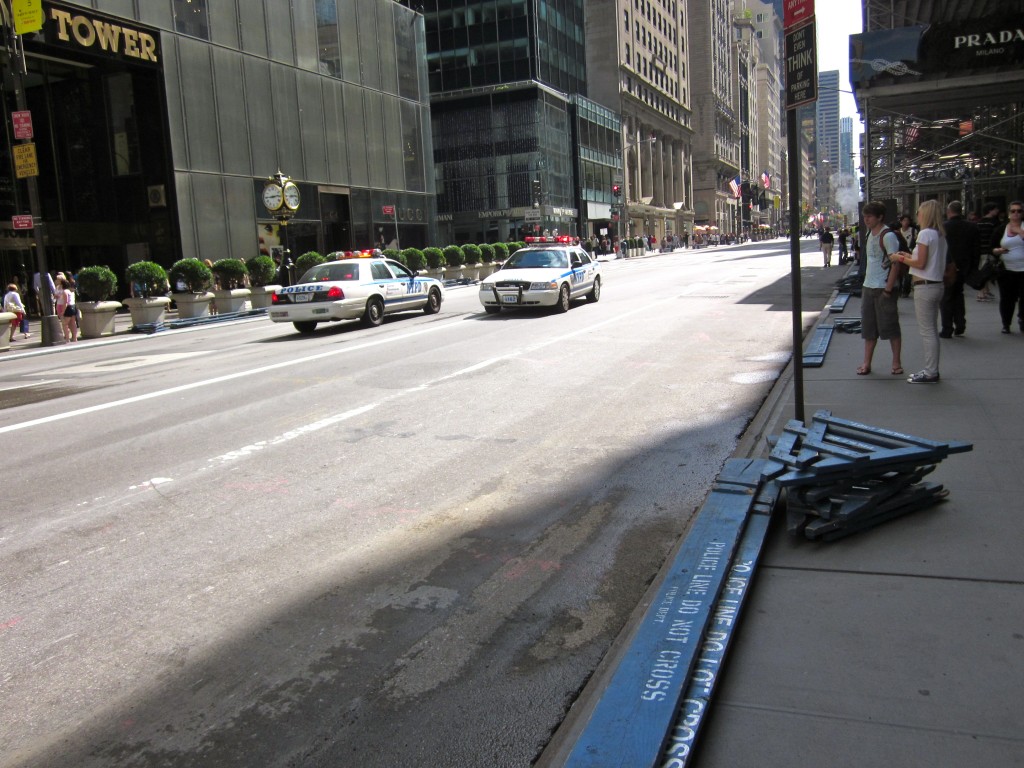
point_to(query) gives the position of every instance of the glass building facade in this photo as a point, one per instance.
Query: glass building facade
(157, 122)
(598, 141)
(501, 76)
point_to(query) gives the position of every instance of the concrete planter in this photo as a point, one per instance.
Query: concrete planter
(6, 318)
(97, 318)
(234, 300)
(193, 304)
(437, 274)
(148, 311)
(262, 296)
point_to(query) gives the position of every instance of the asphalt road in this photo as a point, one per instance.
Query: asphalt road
(408, 545)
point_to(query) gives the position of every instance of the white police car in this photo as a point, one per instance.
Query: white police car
(352, 289)
(548, 272)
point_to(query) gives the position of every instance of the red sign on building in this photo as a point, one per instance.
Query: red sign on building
(387, 210)
(21, 222)
(22, 122)
(797, 12)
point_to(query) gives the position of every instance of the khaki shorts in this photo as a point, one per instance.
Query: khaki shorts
(879, 318)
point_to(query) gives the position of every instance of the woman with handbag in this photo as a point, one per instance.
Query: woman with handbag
(1010, 250)
(13, 304)
(66, 308)
(927, 268)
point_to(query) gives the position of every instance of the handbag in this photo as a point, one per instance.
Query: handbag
(949, 274)
(983, 274)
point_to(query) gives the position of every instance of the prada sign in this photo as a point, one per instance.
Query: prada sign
(75, 28)
(937, 51)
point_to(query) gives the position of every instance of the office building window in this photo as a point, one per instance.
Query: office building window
(191, 18)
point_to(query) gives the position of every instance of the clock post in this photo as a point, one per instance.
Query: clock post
(282, 199)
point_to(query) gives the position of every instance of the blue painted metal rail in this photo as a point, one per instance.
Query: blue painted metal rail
(636, 719)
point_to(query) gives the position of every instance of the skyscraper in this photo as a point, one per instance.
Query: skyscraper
(826, 130)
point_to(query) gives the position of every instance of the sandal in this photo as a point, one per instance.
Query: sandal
(864, 370)
(897, 371)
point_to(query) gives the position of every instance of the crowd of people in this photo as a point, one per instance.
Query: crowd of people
(63, 304)
(933, 260)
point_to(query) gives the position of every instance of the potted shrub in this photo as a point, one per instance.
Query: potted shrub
(190, 283)
(487, 254)
(261, 277)
(394, 254)
(435, 260)
(96, 285)
(149, 301)
(501, 252)
(454, 256)
(414, 259)
(306, 262)
(230, 293)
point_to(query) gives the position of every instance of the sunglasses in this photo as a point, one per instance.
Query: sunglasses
(1017, 210)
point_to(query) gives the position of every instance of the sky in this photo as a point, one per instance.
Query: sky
(835, 21)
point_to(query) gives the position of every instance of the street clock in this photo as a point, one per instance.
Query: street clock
(273, 196)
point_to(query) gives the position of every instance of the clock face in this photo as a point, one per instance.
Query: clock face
(273, 197)
(291, 196)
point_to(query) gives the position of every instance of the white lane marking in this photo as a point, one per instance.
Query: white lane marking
(333, 353)
(30, 384)
(248, 450)
(126, 363)
(220, 379)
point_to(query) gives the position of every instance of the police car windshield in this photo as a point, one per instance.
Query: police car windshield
(329, 273)
(529, 259)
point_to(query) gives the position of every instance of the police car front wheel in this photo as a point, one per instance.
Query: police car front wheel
(564, 301)
(433, 305)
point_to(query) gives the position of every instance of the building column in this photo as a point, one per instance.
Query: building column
(658, 164)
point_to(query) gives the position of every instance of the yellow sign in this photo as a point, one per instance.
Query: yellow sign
(28, 16)
(25, 163)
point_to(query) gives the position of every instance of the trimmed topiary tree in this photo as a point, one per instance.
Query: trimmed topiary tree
(414, 259)
(147, 278)
(500, 251)
(230, 273)
(471, 253)
(393, 253)
(96, 284)
(515, 246)
(486, 253)
(435, 257)
(261, 271)
(306, 262)
(191, 274)
(454, 256)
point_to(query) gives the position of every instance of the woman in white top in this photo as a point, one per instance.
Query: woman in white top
(1011, 278)
(12, 303)
(926, 268)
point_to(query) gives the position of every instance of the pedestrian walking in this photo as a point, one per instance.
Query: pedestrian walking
(826, 239)
(927, 265)
(962, 250)
(1011, 276)
(987, 226)
(14, 305)
(67, 308)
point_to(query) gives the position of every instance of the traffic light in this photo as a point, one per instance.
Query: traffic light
(617, 190)
(536, 190)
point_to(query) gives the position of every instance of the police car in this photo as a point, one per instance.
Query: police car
(548, 272)
(353, 289)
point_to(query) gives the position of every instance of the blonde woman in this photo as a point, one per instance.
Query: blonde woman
(927, 265)
(66, 309)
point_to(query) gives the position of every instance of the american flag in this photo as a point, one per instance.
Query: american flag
(766, 180)
(734, 185)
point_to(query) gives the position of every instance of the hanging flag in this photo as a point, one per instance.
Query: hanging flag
(734, 185)
(766, 180)
(966, 127)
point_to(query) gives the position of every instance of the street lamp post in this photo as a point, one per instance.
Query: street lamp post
(281, 198)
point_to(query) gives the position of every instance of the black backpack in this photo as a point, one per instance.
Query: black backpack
(904, 246)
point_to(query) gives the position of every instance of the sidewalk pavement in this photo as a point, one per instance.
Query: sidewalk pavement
(901, 645)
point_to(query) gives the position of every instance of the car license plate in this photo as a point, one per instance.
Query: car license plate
(510, 298)
(297, 297)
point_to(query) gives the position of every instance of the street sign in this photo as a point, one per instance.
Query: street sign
(801, 66)
(28, 16)
(796, 12)
(387, 210)
(531, 214)
(25, 163)
(22, 122)
(21, 222)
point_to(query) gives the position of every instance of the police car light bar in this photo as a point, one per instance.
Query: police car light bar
(564, 239)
